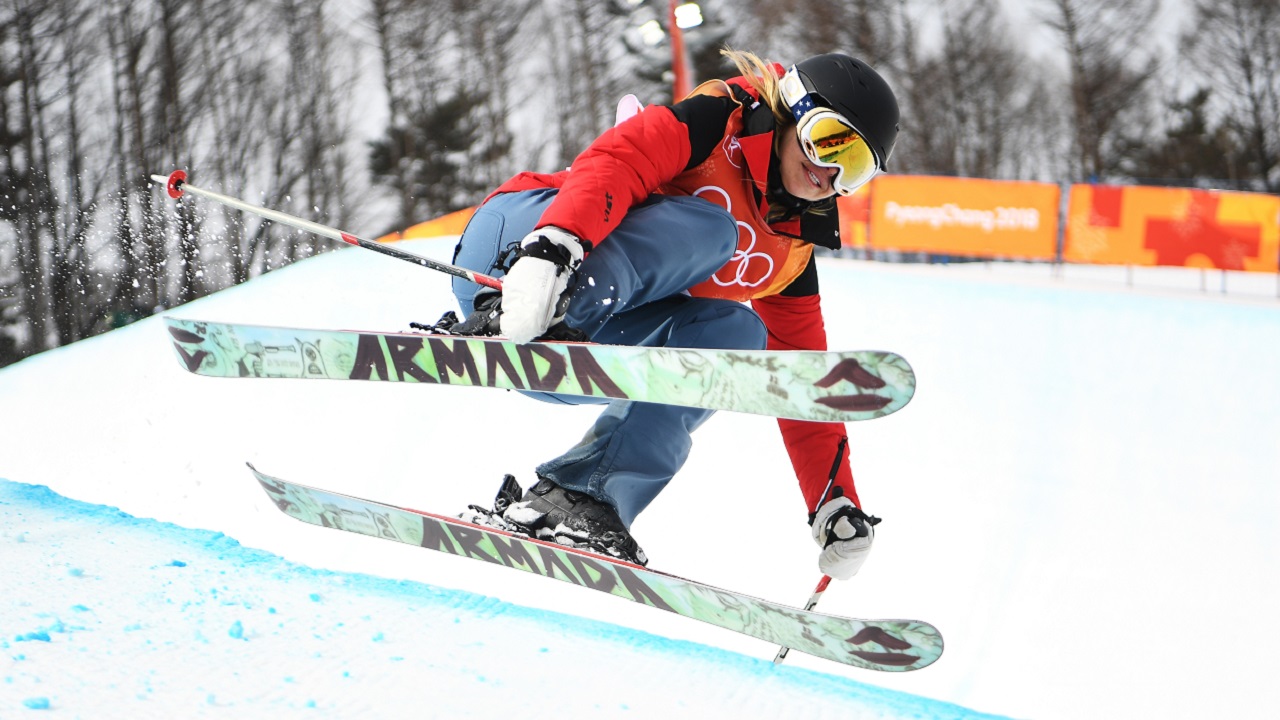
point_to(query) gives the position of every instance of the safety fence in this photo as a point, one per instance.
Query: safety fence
(1131, 225)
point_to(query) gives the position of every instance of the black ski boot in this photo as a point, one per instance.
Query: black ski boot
(482, 322)
(485, 322)
(566, 517)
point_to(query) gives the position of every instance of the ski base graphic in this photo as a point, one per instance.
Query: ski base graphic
(887, 645)
(800, 385)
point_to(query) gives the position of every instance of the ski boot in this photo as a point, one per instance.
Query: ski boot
(485, 321)
(566, 517)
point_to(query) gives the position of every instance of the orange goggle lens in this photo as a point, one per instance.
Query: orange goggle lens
(830, 141)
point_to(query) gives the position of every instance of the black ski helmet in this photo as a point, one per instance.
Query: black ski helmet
(853, 89)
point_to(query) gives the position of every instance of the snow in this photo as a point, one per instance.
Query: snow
(1081, 496)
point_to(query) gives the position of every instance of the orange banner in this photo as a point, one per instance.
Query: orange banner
(451, 224)
(1138, 225)
(965, 216)
(855, 211)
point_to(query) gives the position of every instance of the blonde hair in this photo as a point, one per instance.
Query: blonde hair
(760, 76)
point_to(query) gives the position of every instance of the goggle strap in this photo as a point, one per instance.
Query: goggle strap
(794, 94)
(798, 100)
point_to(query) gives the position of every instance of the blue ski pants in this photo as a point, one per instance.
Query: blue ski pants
(630, 290)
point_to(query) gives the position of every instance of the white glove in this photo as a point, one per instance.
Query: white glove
(534, 287)
(845, 534)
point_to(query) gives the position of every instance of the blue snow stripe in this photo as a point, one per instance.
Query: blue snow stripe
(480, 606)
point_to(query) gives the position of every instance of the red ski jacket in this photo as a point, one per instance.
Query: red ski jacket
(665, 149)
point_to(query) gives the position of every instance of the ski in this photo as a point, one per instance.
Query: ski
(887, 645)
(800, 385)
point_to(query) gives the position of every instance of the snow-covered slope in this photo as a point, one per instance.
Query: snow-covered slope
(1081, 497)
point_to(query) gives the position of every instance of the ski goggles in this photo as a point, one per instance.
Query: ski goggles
(828, 139)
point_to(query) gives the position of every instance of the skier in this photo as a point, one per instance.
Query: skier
(656, 236)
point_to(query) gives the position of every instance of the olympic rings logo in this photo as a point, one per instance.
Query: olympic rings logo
(742, 256)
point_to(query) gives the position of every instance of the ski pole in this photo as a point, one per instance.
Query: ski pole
(176, 184)
(813, 602)
(826, 579)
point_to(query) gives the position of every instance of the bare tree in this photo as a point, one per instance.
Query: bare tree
(139, 236)
(384, 18)
(1109, 70)
(120, 53)
(493, 37)
(268, 124)
(13, 299)
(1194, 150)
(96, 95)
(9, 308)
(866, 29)
(176, 111)
(425, 152)
(315, 122)
(587, 71)
(1237, 44)
(76, 307)
(245, 136)
(31, 205)
(973, 107)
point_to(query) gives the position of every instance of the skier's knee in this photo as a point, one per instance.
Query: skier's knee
(714, 228)
(721, 324)
(726, 235)
(749, 327)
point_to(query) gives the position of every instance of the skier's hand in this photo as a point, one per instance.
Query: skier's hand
(533, 291)
(845, 534)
